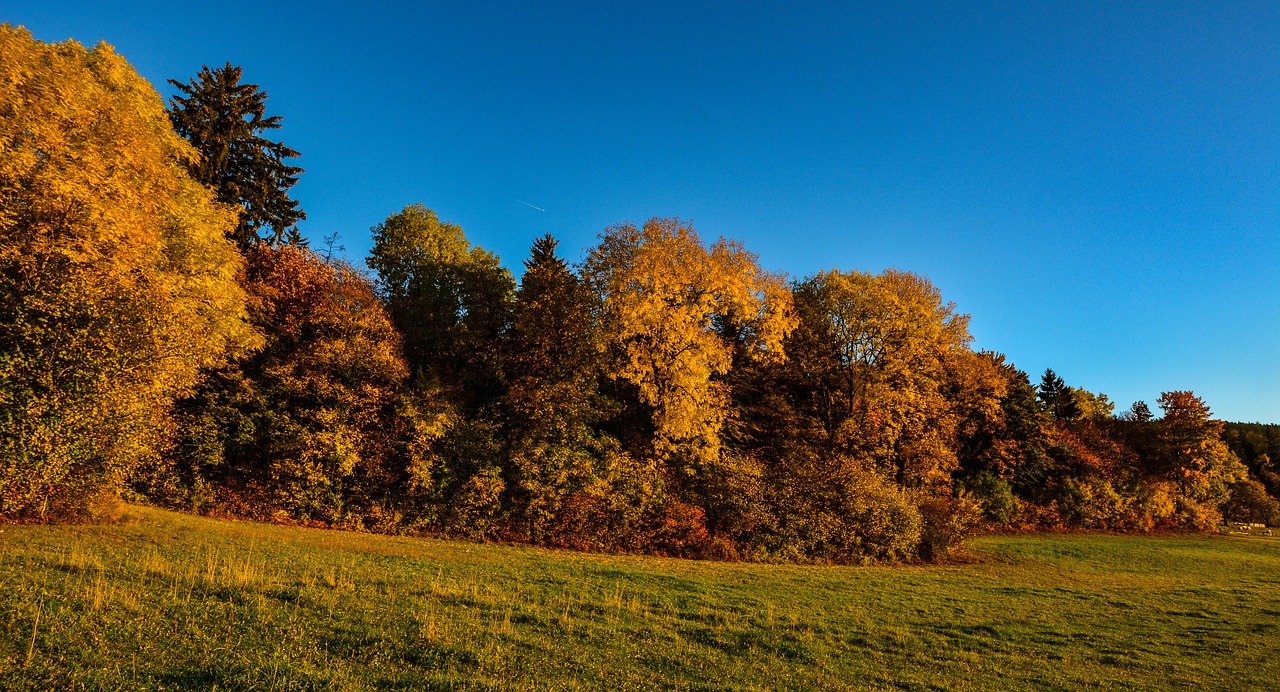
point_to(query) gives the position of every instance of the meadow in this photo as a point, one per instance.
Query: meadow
(171, 601)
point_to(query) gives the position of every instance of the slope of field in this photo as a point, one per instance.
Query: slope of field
(168, 601)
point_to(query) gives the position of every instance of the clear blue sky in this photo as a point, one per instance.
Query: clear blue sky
(1098, 184)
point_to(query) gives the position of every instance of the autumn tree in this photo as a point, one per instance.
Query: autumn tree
(224, 120)
(664, 293)
(117, 285)
(451, 301)
(884, 365)
(307, 425)
(1190, 451)
(880, 368)
(1003, 456)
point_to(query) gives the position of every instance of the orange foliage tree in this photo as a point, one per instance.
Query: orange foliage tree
(311, 424)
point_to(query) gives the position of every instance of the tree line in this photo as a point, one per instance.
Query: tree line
(166, 332)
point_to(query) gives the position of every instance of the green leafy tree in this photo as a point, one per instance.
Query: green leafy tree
(1090, 406)
(451, 301)
(224, 120)
(117, 284)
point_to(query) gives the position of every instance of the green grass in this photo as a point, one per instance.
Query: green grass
(168, 601)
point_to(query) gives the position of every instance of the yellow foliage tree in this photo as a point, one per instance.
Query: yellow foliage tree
(890, 371)
(116, 282)
(674, 312)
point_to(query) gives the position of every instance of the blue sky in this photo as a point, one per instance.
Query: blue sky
(1097, 184)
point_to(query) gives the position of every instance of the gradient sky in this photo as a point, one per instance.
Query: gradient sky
(1097, 184)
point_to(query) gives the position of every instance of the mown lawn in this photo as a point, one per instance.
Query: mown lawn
(168, 601)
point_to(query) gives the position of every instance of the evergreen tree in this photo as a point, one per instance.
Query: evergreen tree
(1058, 398)
(1139, 412)
(564, 476)
(223, 119)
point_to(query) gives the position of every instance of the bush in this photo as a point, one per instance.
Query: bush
(833, 509)
(946, 521)
(1091, 503)
(994, 495)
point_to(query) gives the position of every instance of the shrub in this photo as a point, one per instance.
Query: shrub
(946, 521)
(994, 495)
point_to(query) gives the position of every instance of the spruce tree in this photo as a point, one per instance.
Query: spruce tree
(1058, 398)
(223, 119)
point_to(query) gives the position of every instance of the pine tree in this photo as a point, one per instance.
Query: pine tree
(1058, 398)
(552, 403)
(223, 119)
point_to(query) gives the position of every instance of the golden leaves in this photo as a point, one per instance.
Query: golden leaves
(118, 286)
(670, 304)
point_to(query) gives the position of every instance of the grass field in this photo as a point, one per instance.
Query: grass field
(168, 601)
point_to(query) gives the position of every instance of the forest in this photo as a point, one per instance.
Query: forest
(167, 335)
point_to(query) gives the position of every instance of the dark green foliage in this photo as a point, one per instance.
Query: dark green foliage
(1059, 399)
(451, 302)
(1258, 446)
(994, 495)
(1139, 412)
(562, 469)
(224, 120)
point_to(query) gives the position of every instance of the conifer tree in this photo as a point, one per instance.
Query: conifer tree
(1058, 398)
(223, 119)
(563, 474)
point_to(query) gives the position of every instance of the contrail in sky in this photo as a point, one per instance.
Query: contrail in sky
(530, 205)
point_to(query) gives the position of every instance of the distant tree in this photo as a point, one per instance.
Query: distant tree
(1250, 503)
(1059, 399)
(1090, 406)
(117, 284)
(1139, 412)
(223, 119)
(1258, 446)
